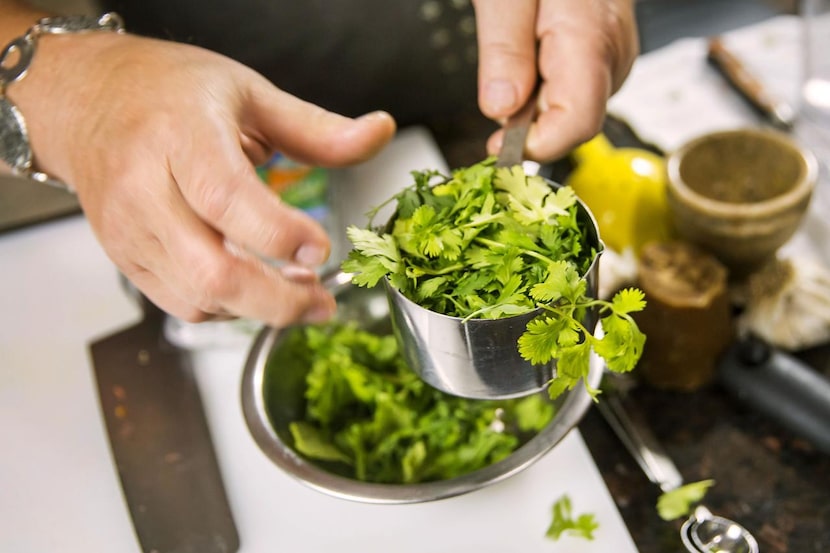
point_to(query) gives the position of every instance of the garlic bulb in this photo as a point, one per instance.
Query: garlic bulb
(788, 304)
(616, 271)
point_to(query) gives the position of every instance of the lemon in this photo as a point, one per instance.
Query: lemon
(625, 189)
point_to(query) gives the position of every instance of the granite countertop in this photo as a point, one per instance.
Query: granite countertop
(775, 484)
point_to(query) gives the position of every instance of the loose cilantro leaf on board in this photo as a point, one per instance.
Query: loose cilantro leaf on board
(489, 242)
(563, 522)
(678, 502)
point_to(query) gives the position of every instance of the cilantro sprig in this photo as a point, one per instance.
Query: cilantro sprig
(563, 521)
(491, 242)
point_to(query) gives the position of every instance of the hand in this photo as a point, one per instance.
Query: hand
(160, 141)
(581, 50)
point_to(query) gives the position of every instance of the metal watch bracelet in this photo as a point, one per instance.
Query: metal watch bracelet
(15, 60)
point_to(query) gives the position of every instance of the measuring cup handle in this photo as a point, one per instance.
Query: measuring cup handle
(631, 427)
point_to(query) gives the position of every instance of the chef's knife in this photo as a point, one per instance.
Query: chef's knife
(160, 442)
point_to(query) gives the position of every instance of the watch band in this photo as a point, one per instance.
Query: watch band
(15, 148)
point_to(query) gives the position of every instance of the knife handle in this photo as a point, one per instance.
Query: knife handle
(781, 387)
(748, 86)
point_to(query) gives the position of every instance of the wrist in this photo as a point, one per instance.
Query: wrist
(25, 90)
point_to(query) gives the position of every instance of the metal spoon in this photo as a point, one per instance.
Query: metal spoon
(703, 532)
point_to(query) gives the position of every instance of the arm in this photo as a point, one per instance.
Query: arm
(581, 50)
(160, 141)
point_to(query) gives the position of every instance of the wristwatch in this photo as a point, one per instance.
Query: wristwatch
(15, 59)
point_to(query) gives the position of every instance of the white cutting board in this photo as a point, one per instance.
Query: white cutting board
(59, 492)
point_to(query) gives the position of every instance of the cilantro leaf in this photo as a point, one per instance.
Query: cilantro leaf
(530, 198)
(533, 413)
(563, 281)
(373, 257)
(628, 300)
(310, 441)
(563, 522)
(678, 502)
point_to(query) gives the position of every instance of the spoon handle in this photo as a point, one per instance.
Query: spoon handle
(515, 134)
(630, 426)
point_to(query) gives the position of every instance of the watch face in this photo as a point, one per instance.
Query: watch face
(14, 139)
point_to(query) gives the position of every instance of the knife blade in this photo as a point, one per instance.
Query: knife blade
(160, 441)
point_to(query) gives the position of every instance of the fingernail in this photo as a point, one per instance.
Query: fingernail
(311, 255)
(298, 274)
(499, 96)
(374, 115)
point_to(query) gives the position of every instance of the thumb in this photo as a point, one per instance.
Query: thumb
(507, 55)
(310, 134)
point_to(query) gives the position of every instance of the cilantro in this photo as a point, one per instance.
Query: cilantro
(678, 502)
(367, 412)
(489, 242)
(562, 522)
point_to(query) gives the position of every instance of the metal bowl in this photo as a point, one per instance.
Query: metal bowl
(268, 422)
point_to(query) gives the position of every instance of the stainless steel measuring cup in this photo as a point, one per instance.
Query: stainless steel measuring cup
(479, 358)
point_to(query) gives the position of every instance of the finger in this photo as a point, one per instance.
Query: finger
(189, 270)
(160, 293)
(310, 134)
(163, 297)
(213, 277)
(576, 66)
(571, 112)
(575, 63)
(507, 54)
(225, 191)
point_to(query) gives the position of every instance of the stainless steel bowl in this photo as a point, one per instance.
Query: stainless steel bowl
(268, 422)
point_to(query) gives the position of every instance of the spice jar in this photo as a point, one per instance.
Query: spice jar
(687, 319)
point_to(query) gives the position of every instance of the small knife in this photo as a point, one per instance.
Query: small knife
(780, 113)
(160, 441)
